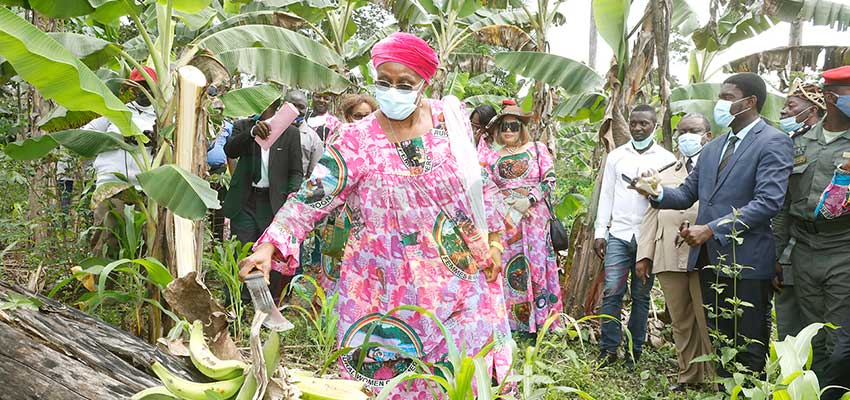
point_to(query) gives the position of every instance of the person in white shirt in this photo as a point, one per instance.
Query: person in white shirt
(118, 165)
(617, 231)
(661, 252)
(320, 115)
(312, 146)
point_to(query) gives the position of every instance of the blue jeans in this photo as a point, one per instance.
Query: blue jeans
(619, 262)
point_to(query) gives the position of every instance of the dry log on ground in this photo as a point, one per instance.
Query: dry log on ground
(60, 353)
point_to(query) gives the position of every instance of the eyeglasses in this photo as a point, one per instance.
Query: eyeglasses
(384, 85)
(511, 126)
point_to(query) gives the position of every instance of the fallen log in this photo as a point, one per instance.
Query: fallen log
(54, 352)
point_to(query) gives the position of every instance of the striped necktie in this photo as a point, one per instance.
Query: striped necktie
(727, 155)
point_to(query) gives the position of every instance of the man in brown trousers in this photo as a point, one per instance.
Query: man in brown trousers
(661, 252)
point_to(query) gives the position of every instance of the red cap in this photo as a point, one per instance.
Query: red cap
(837, 76)
(508, 102)
(136, 76)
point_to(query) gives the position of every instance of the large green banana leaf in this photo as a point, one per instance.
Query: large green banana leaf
(411, 12)
(612, 17)
(56, 73)
(266, 17)
(187, 6)
(273, 37)
(572, 76)
(94, 52)
(683, 17)
(82, 142)
(475, 101)
(60, 118)
(197, 20)
(835, 14)
(590, 106)
(182, 192)
(285, 68)
(700, 98)
(249, 101)
(68, 8)
(485, 17)
(357, 51)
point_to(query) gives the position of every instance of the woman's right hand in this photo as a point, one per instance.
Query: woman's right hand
(261, 260)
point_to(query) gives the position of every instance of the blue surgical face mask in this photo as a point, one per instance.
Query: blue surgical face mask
(790, 124)
(642, 144)
(722, 114)
(396, 104)
(843, 103)
(690, 144)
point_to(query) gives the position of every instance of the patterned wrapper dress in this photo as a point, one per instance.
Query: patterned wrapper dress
(531, 284)
(409, 218)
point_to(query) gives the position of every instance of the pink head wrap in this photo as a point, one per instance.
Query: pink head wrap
(408, 50)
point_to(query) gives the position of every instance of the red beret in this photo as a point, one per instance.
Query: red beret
(136, 76)
(508, 102)
(837, 76)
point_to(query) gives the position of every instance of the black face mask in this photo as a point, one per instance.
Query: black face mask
(143, 100)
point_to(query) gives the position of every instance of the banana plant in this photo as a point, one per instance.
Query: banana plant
(737, 22)
(172, 34)
(835, 14)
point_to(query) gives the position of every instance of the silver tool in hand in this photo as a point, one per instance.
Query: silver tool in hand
(262, 299)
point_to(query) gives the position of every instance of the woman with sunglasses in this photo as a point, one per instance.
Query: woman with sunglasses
(420, 235)
(358, 106)
(523, 171)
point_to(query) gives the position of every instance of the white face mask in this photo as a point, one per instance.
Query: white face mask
(722, 114)
(396, 104)
(690, 144)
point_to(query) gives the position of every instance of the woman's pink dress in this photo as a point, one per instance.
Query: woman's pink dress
(408, 220)
(531, 283)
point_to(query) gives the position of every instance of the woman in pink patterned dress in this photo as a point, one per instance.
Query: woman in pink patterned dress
(416, 234)
(523, 171)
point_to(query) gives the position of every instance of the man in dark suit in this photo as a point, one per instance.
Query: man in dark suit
(746, 170)
(263, 178)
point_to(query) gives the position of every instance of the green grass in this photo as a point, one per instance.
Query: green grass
(566, 361)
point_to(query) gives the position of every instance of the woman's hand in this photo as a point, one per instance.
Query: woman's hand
(261, 260)
(492, 272)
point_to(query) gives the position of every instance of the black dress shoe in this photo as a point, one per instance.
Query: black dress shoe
(606, 359)
(630, 362)
(684, 387)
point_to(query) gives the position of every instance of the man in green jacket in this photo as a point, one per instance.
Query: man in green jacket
(815, 247)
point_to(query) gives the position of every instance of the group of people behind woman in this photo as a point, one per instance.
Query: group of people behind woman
(428, 213)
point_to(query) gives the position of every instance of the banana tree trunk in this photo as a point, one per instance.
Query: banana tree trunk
(188, 234)
(41, 182)
(661, 10)
(584, 278)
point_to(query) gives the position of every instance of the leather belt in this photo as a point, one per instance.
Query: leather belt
(826, 226)
(259, 189)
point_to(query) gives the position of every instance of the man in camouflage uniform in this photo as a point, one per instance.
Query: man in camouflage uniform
(804, 100)
(814, 245)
